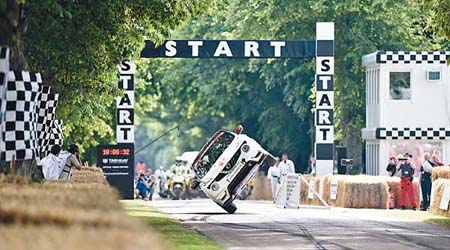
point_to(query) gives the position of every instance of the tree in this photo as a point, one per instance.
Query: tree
(440, 18)
(272, 97)
(76, 45)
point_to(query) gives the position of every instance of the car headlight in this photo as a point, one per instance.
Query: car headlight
(245, 148)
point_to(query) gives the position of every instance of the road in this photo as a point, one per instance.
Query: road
(261, 225)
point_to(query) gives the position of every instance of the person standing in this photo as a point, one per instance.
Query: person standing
(435, 159)
(160, 178)
(425, 181)
(286, 166)
(273, 174)
(50, 164)
(406, 171)
(140, 167)
(392, 166)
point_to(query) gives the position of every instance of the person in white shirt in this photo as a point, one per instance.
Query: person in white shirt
(50, 164)
(161, 177)
(273, 174)
(286, 166)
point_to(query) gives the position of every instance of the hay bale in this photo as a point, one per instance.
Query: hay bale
(262, 189)
(440, 173)
(361, 191)
(439, 186)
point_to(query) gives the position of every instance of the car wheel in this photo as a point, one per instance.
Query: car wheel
(230, 208)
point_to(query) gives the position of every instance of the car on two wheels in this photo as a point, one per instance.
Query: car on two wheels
(225, 165)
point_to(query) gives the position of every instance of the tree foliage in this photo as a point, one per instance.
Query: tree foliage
(76, 45)
(272, 98)
(440, 18)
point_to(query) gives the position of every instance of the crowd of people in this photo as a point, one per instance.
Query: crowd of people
(58, 164)
(147, 183)
(403, 166)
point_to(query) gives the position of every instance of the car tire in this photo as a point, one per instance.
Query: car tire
(230, 208)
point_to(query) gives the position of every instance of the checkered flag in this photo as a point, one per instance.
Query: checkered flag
(46, 112)
(53, 136)
(4, 69)
(19, 131)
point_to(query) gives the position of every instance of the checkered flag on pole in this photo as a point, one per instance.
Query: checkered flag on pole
(4, 69)
(19, 132)
(47, 125)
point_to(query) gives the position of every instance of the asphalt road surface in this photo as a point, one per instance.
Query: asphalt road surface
(261, 225)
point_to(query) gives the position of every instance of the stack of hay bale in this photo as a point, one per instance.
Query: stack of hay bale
(441, 181)
(353, 191)
(84, 214)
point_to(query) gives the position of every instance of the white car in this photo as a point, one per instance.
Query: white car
(225, 164)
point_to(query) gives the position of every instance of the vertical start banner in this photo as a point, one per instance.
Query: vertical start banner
(125, 103)
(324, 147)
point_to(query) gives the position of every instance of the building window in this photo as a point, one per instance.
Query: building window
(400, 85)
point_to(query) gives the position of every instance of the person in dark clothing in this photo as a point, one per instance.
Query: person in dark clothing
(392, 166)
(425, 181)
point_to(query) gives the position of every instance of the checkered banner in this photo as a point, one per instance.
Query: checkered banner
(413, 57)
(412, 133)
(19, 131)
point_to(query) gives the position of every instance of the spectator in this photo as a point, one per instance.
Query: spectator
(286, 166)
(140, 167)
(392, 166)
(273, 174)
(68, 161)
(425, 181)
(152, 186)
(50, 164)
(142, 188)
(435, 159)
(406, 171)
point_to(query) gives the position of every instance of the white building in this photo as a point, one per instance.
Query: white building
(407, 106)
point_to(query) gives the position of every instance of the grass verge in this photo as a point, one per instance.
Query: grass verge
(175, 234)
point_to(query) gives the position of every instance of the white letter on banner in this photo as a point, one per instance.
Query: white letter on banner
(195, 45)
(251, 47)
(277, 47)
(223, 49)
(171, 48)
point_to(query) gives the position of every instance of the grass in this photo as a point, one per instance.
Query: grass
(177, 235)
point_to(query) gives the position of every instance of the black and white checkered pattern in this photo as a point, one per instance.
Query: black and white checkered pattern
(46, 110)
(20, 132)
(413, 57)
(4, 69)
(412, 133)
(53, 136)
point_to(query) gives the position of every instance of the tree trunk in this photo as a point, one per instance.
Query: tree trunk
(12, 28)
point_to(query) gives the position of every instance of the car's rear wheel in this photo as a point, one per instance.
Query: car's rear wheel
(230, 208)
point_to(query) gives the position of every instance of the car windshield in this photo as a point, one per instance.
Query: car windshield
(211, 152)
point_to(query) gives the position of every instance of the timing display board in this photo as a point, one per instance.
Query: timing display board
(117, 162)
